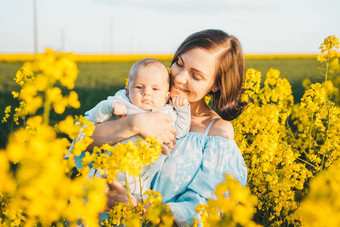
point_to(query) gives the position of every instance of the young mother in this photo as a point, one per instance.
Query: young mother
(207, 62)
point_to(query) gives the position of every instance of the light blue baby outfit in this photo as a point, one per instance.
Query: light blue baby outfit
(196, 165)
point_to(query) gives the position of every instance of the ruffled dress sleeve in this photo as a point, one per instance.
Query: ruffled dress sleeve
(220, 156)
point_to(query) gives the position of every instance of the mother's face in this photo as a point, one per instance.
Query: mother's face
(194, 74)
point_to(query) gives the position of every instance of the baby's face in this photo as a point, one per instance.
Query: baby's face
(149, 89)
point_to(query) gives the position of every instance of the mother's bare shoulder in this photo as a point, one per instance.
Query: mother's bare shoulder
(222, 128)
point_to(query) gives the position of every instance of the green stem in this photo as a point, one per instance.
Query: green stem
(293, 136)
(141, 189)
(328, 124)
(252, 169)
(326, 75)
(250, 176)
(326, 70)
(127, 188)
(324, 154)
(310, 132)
(12, 126)
(307, 162)
(46, 114)
(141, 195)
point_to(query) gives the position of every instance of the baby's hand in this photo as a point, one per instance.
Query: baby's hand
(179, 101)
(119, 109)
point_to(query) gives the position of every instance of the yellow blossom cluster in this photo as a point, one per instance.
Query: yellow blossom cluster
(330, 54)
(329, 57)
(71, 127)
(251, 85)
(39, 154)
(285, 144)
(40, 182)
(207, 99)
(35, 188)
(274, 170)
(158, 214)
(317, 123)
(322, 205)
(153, 213)
(233, 206)
(22, 77)
(7, 114)
(317, 119)
(37, 80)
(129, 158)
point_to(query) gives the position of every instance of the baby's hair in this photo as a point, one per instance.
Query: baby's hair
(145, 62)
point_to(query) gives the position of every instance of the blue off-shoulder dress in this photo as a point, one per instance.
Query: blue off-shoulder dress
(197, 164)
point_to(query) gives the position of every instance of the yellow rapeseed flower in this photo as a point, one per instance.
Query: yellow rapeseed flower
(233, 206)
(7, 114)
(321, 206)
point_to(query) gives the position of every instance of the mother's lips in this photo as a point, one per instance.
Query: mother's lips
(180, 89)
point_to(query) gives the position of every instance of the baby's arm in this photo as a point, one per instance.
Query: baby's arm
(119, 109)
(104, 110)
(101, 112)
(183, 119)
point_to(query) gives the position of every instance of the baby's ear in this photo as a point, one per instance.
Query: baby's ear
(168, 96)
(127, 91)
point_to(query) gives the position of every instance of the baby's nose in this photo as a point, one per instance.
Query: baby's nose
(147, 91)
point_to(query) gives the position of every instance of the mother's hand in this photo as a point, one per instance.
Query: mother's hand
(118, 194)
(156, 124)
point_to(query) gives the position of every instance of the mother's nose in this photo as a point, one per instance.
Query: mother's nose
(181, 77)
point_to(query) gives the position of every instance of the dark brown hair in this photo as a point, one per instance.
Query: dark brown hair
(230, 69)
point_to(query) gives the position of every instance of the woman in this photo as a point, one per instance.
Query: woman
(207, 62)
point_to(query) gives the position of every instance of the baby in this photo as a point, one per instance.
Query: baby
(147, 90)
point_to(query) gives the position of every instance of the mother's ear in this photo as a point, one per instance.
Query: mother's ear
(215, 88)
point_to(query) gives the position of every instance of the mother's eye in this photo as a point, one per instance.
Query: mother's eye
(178, 63)
(195, 77)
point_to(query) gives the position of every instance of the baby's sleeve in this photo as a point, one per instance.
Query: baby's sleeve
(101, 112)
(183, 120)
(220, 157)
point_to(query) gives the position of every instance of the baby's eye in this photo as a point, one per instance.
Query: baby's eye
(156, 89)
(139, 87)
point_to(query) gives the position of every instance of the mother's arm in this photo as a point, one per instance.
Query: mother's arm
(151, 124)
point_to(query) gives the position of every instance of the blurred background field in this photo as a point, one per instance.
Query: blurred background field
(97, 80)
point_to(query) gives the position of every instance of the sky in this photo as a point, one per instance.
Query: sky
(159, 26)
